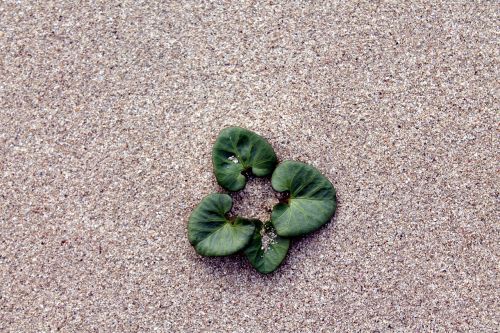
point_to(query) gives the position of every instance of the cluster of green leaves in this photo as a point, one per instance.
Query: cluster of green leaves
(308, 202)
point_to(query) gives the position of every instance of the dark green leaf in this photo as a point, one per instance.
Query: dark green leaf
(237, 151)
(266, 250)
(311, 201)
(212, 233)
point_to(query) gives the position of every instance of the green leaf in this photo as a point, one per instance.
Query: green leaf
(212, 233)
(266, 250)
(237, 151)
(311, 201)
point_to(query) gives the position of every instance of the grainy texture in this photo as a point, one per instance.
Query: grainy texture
(108, 112)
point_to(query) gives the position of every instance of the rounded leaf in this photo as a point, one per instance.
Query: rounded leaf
(311, 201)
(266, 251)
(211, 233)
(238, 150)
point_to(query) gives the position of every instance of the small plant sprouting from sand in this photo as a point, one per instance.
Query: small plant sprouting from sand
(307, 200)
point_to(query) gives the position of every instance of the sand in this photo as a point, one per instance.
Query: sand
(108, 112)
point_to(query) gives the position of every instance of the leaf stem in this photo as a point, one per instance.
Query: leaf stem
(284, 197)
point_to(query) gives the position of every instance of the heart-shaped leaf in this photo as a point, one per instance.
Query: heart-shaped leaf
(311, 202)
(266, 250)
(212, 233)
(238, 151)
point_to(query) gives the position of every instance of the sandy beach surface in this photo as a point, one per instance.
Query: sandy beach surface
(109, 110)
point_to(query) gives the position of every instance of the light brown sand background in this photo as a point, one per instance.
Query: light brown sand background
(108, 112)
